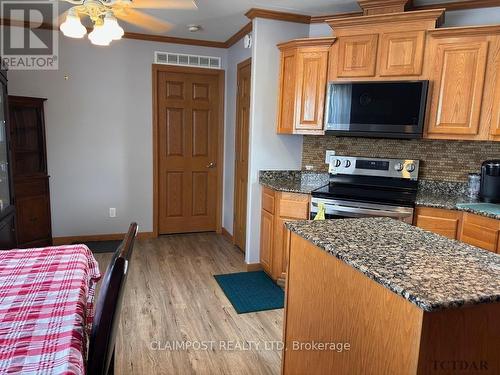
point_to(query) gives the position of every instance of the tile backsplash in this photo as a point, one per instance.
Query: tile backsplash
(440, 160)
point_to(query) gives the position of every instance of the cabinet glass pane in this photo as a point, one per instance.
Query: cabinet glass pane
(4, 166)
(27, 139)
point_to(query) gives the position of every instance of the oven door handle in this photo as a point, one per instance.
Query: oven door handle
(364, 211)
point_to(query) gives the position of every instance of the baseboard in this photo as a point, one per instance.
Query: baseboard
(57, 241)
(253, 267)
(227, 235)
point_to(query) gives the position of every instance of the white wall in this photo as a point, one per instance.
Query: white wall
(99, 132)
(267, 149)
(472, 17)
(236, 54)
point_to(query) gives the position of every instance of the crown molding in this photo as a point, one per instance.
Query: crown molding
(465, 31)
(279, 16)
(305, 42)
(460, 5)
(238, 35)
(175, 40)
(435, 15)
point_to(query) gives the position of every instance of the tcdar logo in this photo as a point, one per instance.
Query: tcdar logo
(29, 39)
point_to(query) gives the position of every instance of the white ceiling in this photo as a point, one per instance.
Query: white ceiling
(220, 19)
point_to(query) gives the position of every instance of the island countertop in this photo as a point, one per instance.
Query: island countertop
(429, 270)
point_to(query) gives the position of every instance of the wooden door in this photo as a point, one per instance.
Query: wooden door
(401, 53)
(241, 153)
(458, 84)
(188, 102)
(286, 96)
(357, 56)
(311, 72)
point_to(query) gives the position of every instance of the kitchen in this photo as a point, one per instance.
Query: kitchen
(400, 120)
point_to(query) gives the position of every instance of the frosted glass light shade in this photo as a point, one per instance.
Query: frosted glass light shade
(100, 36)
(72, 26)
(112, 27)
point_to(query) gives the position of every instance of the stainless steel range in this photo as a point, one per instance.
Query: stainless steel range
(365, 187)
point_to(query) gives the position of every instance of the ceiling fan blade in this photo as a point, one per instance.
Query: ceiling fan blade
(144, 20)
(62, 17)
(164, 4)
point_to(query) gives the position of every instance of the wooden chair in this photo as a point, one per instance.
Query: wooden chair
(108, 308)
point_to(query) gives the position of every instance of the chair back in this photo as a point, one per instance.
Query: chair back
(108, 308)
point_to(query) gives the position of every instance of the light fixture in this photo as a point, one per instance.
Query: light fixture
(100, 35)
(72, 26)
(112, 27)
(194, 28)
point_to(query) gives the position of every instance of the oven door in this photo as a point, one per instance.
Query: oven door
(340, 209)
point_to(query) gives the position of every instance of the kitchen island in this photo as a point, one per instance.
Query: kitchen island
(378, 296)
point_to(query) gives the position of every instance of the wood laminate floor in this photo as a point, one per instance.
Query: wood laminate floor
(171, 296)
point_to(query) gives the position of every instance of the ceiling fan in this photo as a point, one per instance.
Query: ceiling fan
(104, 15)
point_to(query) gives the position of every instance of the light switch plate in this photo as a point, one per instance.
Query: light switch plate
(328, 155)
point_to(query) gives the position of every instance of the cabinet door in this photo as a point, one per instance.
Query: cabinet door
(495, 119)
(401, 53)
(311, 89)
(286, 97)
(481, 231)
(357, 56)
(458, 84)
(443, 222)
(266, 240)
(33, 215)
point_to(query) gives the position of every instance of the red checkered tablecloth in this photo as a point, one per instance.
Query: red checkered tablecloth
(46, 308)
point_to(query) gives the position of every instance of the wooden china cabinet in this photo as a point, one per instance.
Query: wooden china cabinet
(29, 170)
(7, 210)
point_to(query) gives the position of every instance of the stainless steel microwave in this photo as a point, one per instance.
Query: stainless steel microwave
(389, 109)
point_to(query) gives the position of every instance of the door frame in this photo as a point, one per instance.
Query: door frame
(159, 68)
(241, 65)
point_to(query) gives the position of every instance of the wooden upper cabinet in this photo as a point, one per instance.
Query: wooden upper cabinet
(458, 86)
(401, 53)
(311, 87)
(302, 85)
(357, 56)
(495, 118)
(381, 47)
(286, 105)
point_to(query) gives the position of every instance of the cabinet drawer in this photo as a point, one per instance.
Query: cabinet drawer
(32, 187)
(268, 200)
(294, 206)
(481, 232)
(443, 222)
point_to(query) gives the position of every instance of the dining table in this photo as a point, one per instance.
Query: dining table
(46, 309)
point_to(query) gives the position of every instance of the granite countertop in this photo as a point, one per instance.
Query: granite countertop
(452, 196)
(429, 270)
(293, 181)
(436, 194)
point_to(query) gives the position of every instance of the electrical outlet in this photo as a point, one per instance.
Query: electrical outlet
(328, 155)
(112, 212)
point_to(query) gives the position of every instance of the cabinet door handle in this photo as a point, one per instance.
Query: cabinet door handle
(211, 164)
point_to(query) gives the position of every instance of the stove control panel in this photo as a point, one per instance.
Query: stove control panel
(396, 168)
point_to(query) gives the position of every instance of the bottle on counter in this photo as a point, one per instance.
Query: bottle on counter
(474, 185)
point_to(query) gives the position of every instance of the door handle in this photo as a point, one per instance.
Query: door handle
(211, 164)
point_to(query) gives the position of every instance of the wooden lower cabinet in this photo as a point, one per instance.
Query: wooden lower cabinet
(473, 229)
(277, 209)
(481, 231)
(443, 222)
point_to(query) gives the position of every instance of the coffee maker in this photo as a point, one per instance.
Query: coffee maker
(490, 181)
